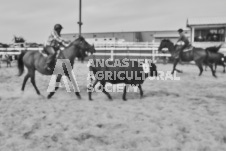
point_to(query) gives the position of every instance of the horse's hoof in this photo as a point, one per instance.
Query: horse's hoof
(49, 97)
(110, 98)
(42, 96)
(22, 92)
(180, 71)
(78, 95)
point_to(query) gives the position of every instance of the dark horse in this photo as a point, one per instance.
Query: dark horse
(198, 55)
(34, 60)
(215, 57)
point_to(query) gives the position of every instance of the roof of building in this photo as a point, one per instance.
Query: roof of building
(154, 31)
(206, 21)
(169, 35)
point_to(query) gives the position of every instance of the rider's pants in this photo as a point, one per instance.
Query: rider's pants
(50, 50)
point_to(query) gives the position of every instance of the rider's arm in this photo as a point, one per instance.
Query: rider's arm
(57, 37)
(180, 38)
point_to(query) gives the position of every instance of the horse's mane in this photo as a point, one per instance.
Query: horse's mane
(76, 40)
(214, 49)
(169, 41)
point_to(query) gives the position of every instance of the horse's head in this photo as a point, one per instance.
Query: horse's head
(90, 50)
(165, 43)
(84, 47)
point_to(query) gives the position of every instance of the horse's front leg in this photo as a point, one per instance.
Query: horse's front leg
(56, 87)
(174, 66)
(70, 74)
(224, 68)
(180, 71)
(91, 89)
(213, 71)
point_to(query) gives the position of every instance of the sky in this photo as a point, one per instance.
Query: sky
(34, 19)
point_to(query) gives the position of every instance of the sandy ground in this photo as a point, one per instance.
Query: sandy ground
(185, 115)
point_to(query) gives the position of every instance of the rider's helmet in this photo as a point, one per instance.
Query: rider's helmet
(180, 30)
(58, 27)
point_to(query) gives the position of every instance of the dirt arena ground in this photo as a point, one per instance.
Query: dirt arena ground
(185, 115)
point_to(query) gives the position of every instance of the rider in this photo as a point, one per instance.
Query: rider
(184, 39)
(53, 44)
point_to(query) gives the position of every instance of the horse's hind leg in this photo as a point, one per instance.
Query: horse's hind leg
(215, 67)
(223, 65)
(9, 64)
(104, 91)
(141, 91)
(32, 74)
(199, 64)
(93, 88)
(25, 81)
(124, 93)
(57, 87)
(205, 67)
(213, 72)
(224, 68)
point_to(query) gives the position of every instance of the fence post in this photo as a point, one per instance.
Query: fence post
(153, 54)
(112, 54)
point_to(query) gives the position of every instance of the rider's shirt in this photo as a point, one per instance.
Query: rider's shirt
(184, 39)
(54, 39)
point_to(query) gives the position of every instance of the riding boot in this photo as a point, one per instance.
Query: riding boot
(48, 62)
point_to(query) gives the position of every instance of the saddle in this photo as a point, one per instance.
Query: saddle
(44, 52)
(189, 48)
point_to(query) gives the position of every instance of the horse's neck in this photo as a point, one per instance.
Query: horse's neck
(171, 47)
(69, 53)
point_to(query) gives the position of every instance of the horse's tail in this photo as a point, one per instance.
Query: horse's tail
(20, 63)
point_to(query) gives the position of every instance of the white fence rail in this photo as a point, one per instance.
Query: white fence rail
(140, 49)
(126, 44)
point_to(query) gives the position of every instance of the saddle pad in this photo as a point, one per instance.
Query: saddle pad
(187, 49)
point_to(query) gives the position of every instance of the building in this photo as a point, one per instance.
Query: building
(133, 36)
(207, 31)
(202, 31)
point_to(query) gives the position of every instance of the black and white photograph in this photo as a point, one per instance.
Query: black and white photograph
(120, 75)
